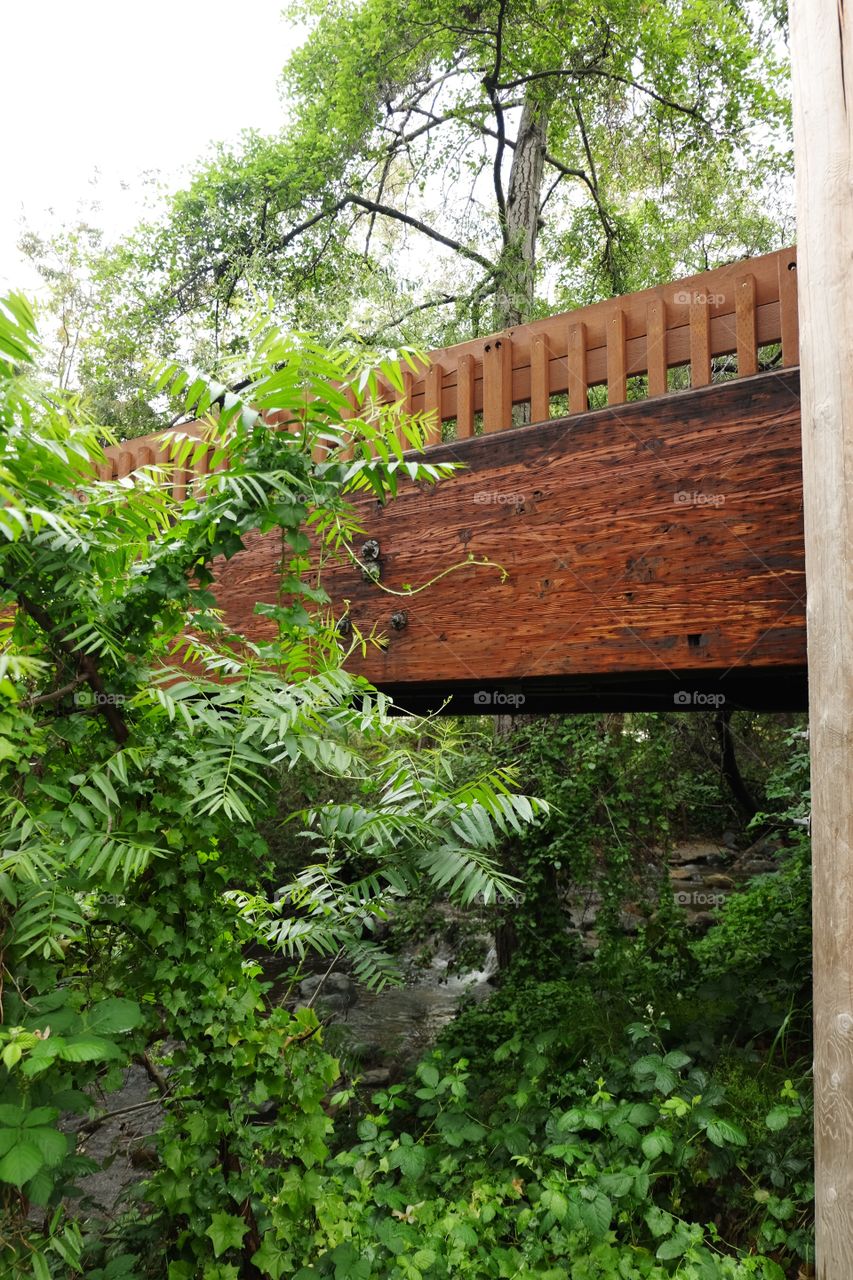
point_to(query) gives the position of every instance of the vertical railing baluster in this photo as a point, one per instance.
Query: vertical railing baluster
(497, 384)
(577, 377)
(540, 375)
(700, 344)
(656, 346)
(433, 401)
(617, 378)
(788, 316)
(745, 327)
(465, 397)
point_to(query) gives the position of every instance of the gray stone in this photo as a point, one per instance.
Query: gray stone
(719, 882)
(376, 1077)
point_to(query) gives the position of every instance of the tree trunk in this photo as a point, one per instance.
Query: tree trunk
(514, 305)
(517, 267)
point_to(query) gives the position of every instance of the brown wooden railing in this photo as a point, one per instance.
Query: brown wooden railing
(627, 345)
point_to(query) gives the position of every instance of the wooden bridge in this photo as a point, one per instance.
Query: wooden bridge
(635, 467)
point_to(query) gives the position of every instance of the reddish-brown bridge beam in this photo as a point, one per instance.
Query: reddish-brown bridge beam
(653, 549)
(653, 552)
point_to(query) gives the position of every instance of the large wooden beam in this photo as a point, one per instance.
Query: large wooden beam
(653, 556)
(822, 52)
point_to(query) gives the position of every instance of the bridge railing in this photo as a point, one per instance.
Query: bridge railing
(640, 344)
(627, 345)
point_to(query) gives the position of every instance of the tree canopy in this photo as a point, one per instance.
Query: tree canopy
(448, 170)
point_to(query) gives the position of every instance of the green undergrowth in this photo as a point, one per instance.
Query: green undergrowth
(564, 1129)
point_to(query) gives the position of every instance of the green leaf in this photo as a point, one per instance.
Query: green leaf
(616, 1184)
(87, 1049)
(270, 1259)
(655, 1143)
(648, 1065)
(412, 1160)
(596, 1214)
(627, 1134)
(21, 1163)
(41, 1271)
(41, 1115)
(226, 1232)
(777, 1118)
(674, 1247)
(39, 1189)
(555, 1202)
(52, 1144)
(658, 1221)
(642, 1113)
(722, 1133)
(113, 1016)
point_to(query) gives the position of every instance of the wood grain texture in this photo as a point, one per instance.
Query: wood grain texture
(465, 398)
(540, 410)
(617, 391)
(497, 384)
(700, 344)
(576, 375)
(822, 66)
(747, 335)
(657, 541)
(656, 346)
(788, 323)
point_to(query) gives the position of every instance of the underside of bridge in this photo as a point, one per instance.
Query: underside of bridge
(647, 556)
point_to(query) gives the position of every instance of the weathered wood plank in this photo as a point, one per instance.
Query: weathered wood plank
(540, 378)
(700, 343)
(617, 383)
(497, 384)
(747, 335)
(822, 66)
(576, 375)
(465, 397)
(788, 326)
(656, 346)
(433, 402)
(657, 541)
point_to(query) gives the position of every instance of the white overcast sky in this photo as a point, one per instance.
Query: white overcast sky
(101, 86)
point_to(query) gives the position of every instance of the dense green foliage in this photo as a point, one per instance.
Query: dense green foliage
(141, 740)
(623, 1116)
(192, 822)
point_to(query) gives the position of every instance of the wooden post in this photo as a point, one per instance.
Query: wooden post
(822, 54)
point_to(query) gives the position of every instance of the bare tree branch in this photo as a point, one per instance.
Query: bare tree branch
(578, 74)
(490, 83)
(406, 218)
